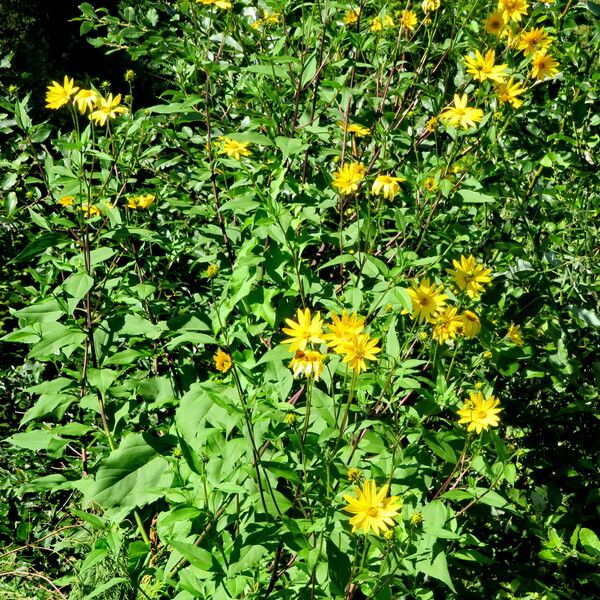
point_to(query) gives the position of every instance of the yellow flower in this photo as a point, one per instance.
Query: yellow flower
(141, 201)
(234, 149)
(430, 5)
(212, 271)
(461, 115)
(483, 68)
(89, 210)
(372, 509)
(352, 16)
(377, 24)
(342, 330)
(306, 331)
(387, 185)
(543, 65)
(494, 24)
(357, 350)
(408, 20)
(514, 334)
(534, 40)
(58, 95)
(129, 75)
(353, 474)
(471, 325)
(309, 362)
(448, 325)
(513, 10)
(427, 300)
(86, 100)
(479, 412)
(107, 108)
(347, 178)
(430, 184)
(66, 201)
(470, 276)
(355, 129)
(431, 124)
(219, 3)
(416, 518)
(508, 92)
(291, 418)
(222, 361)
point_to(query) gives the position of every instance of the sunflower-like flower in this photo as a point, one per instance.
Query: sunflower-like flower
(483, 68)
(494, 24)
(387, 185)
(470, 276)
(471, 325)
(342, 329)
(372, 509)
(86, 100)
(479, 413)
(224, 4)
(138, 202)
(430, 5)
(352, 16)
(408, 20)
(107, 108)
(355, 129)
(534, 40)
(234, 149)
(307, 330)
(461, 115)
(514, 334)
(89, 210)
(381, 24)
(448, 325)
(357, 350)
(66, 201)
(427, 300)
(347, 178)
(513, 10)
(222, 361)
(508, 92)
(58, 95)
(307, 362)
(543, 65)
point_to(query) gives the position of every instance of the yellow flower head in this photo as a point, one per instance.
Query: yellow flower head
(470, 276)
(342, 329)
(416, 518)
(483, 68)
(543, 65)
(347, 178)
(107, 108)
(352, 16)
(430, 5)
(387, 185)
(355, 129)
(225, 4)
(66, 201)
(86, 100)
(471, 325)
(514, 334)
(291, 418)
(479, 412)
(357, 350)
(461, 115)
(234, 149)
(494, 24)
(353, 474)
(447, 326)
(508, 92)
(378, 24)
(431, 124)
(427, 300)
(141, 201)
(513, 10)
(534, 40)
(430, 184)
(307, 362)
(372, 509)
(212, 271)
(89, 210)
(307, 330)
(222, 361)
(58, 95)
(408, 20)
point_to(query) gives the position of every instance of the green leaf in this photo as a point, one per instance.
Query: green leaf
(40, 245)
(437, 568)
(198, 557)
(590, 542)
(130, 474)
(77, 286)
(472, 197)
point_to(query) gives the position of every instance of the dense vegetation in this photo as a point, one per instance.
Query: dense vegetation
(300, 300)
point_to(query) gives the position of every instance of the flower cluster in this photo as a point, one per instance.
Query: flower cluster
(344, 336)
(347, 180)
(99, 109)
(430, 303)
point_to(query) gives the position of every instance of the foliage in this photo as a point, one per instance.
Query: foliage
(190, 407)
